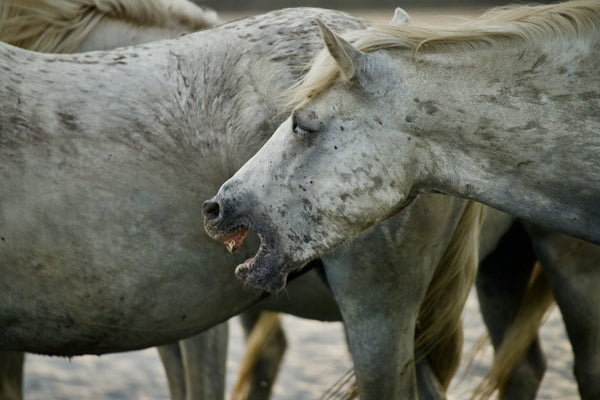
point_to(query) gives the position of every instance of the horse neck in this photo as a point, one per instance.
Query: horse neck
(516, 128)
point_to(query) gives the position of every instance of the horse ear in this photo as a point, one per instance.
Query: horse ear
(400, 17)
(347, 56)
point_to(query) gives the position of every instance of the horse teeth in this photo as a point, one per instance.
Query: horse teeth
(231, 246)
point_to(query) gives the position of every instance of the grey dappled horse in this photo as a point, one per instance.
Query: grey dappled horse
(63, 27)
(334, 174)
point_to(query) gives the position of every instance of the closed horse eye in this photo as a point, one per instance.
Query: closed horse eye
(300, 129)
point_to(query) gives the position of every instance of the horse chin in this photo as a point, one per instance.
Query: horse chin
(265, 271)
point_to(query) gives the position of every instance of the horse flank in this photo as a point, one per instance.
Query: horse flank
(528, 24)
(59, 26)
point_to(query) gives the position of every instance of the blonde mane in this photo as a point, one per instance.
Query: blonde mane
(59, 26)
(532, 24)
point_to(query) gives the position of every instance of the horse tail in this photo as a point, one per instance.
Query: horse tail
(263, 333)
(439, 327)
(170, 14)
(60, 26)
(53, 26)
(519, 335)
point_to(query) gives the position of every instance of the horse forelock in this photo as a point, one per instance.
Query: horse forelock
(61, 25)
(528, 24)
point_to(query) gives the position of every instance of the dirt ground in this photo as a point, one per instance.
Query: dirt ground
(317, 355)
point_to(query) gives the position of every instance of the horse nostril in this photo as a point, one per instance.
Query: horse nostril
(211, 209)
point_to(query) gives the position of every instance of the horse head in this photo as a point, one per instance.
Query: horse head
(326, 174)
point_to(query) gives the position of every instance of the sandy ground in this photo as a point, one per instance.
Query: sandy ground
(317, 355)
(316, 359)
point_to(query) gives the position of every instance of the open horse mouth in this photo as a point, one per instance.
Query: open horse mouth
(268, 269)
(235, 240)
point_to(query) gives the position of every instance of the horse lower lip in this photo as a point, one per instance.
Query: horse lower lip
(261, 273)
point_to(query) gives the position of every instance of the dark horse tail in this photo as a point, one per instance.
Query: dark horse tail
(521, 333)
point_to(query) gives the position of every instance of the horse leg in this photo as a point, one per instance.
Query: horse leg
(11, 375)
(572, 269)
(204, 362)
(501, 283)
(380, 325)
(379, 304)
(170, 355)
(265, 347)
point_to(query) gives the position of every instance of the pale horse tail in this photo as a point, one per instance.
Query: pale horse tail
(532, 311)
(262, 335)
(439, 334)
(60, 26)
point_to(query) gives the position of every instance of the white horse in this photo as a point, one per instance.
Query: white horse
(77, 26)
(105, 160)
(330, 172)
